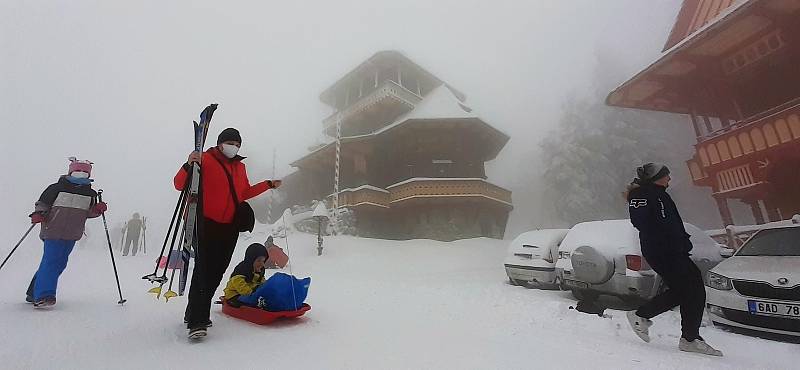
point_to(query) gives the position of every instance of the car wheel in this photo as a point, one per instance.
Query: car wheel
(585, 295)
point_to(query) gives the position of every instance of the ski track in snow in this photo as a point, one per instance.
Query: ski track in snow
(376, 304)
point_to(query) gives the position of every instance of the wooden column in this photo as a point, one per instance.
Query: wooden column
(724, 211)
(399, 76)
(755, 207)
(709, 127)
(773, 213)
(697, 133)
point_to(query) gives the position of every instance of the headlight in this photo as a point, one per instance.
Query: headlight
(718, 281)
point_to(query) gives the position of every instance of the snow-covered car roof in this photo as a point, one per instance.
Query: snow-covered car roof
(619, 237)
(611, 237)
(540, 238)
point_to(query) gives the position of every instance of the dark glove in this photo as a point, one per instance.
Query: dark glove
(234, 302)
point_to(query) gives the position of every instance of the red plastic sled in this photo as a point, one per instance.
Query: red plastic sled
(259, 316)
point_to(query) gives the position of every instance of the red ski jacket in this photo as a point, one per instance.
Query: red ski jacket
(217, 200)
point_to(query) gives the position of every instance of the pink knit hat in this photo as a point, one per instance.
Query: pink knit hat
(79, 165)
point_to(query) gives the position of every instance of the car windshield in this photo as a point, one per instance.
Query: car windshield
(776, 242)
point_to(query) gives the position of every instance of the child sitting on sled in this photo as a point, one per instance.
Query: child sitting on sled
(247, 285)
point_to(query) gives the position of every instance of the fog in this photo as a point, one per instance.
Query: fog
(119, 83)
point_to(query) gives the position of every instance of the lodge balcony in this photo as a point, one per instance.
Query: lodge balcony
(373, 109)
(727, 159)
(423, 189)
(420, 188)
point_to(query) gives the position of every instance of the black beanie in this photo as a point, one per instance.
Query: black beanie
(651, 172)
(229, 134)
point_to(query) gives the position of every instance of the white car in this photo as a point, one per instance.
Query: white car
(531, 258)
(605, 258)
(758, 288)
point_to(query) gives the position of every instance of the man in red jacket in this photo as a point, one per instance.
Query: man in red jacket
(216, 231)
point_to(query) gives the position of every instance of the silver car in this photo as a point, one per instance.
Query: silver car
(531, 258)
(758, 288)
(605, 258)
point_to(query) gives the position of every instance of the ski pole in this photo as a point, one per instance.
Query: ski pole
(17, 246)
(110, 249)
(144, 235)
(178, 207)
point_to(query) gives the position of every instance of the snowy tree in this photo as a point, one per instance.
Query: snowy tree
(593, 154)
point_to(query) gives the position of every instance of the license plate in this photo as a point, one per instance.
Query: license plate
(575, 284)
(774, 309)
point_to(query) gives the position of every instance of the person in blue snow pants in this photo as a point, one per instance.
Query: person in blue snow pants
(281, 292)
(62, 211)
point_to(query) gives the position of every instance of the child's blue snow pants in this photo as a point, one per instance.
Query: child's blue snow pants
(54, 261)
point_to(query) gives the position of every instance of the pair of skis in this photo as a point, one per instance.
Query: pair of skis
(186, 208)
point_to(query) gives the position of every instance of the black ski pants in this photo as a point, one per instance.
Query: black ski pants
(685, 288)
(215, 248)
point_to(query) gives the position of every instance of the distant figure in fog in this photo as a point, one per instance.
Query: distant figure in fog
(133, 229)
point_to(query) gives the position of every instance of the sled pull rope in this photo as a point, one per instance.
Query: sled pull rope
(289, 254)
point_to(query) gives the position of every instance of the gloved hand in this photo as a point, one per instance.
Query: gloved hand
(274, 184)
(37, 217)
(101, 207)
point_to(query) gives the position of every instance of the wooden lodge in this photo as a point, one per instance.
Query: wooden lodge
(733, 68)
(412, 156)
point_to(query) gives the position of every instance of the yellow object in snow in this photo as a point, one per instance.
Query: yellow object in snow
(238, 285)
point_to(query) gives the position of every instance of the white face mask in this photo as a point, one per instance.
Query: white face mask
(229, 150)
(80, 175)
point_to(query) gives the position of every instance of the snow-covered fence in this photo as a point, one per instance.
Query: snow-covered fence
(735, 235)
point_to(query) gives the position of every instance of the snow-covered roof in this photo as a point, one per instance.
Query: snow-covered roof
(363, 204)
(320, 210)
(540, 238)
(440, 104)
(376, 58)
(413, 179)
(362, 187)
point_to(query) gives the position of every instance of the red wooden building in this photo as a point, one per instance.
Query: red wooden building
(734, 68)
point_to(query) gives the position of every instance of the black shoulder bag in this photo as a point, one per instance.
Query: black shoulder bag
(243, 218)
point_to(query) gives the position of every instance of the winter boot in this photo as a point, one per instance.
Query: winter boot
(698, 346)
(29, 298)
(44, 302)
(640, 325)
(197, 333)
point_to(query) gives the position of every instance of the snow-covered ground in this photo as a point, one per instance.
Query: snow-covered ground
(376, 305)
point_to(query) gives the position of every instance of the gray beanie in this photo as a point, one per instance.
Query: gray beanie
(651, 172)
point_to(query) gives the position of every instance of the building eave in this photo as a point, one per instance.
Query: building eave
(616, 97)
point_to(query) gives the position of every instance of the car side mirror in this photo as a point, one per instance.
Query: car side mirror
(726, 252)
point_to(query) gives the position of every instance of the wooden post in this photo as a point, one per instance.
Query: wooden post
(773, 213)
(709, 127)
(755, 207)
(399, 76)
(724, 211)
(693, 116)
